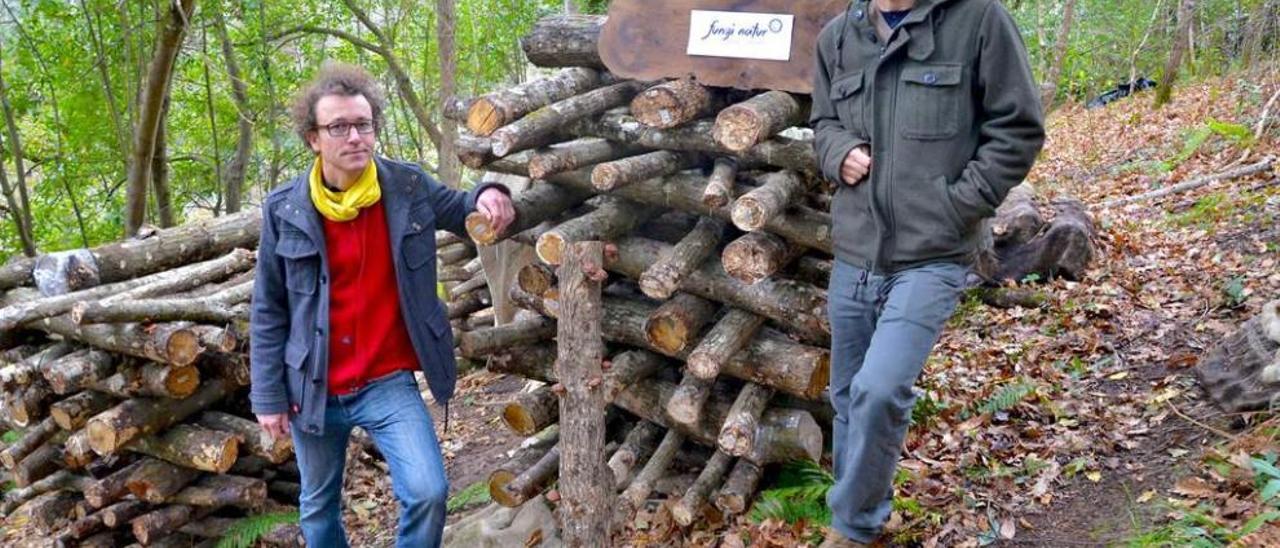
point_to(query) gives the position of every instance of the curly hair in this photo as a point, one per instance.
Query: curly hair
(335, 78)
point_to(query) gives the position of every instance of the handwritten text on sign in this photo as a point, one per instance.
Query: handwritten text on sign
(740, 35)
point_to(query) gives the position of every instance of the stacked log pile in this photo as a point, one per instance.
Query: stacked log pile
(718, 245)
(463, 283)
(125, 395)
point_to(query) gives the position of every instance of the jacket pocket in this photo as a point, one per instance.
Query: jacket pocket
(849, 99)
(931, 95)
(926, 223)
(301, 262)
(418, 244)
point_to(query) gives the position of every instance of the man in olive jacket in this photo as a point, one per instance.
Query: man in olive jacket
(926, 114)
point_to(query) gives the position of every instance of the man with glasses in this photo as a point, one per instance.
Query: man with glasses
(345, 308)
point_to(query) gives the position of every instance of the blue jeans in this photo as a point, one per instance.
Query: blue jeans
(391, 410)
(882, 330)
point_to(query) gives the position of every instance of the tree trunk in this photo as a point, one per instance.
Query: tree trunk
(737, 435)
(712, 476)
(757, 256)
(777, 192)
(72, 413)
(532, 207)
(719, 191)
(660, 280)
(738, 489)
(112, 429)
(577, 154)
(160, 171)
(482, 342)
(527, 132)
(253, 440)
(500, 108)
(19, 207)
(564, 41)
(633, 497)
(746, 124)
(1186, 16)
(235, 174)
(729, 336)
(446, 155)
(1050, 85)
(609, 176)
(677, 322)
(584, 478)
(155, 481)
(611, 219)
(639, 444)
(531, 412)
(153, 97)
(674, 103)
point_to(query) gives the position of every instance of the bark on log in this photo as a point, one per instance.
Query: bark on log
(224, 490)
(770, 358)
(51, 510)
(784, 434)
(684, 407)
(155, 480)
(286, 491)
(31, 440)
(156, 310)
(720, 185)
(45, 460)
(677, 322)
(253, 440)
(523, 299)
(633, 497)
(112, 429)
(186, 277)
(673, 103)
(191, 446)
(170, 248)
(527, 456)
(72, 413)
(739, 488)
(76, 452)
(494, 110)
(531, 481)
(1017, 219)
(612, 175)
(533, 206)
(628, 368)
(611, 219)
(456, 254)
(1063, 249)
(474, 151)
(470, 303)
(742, 126)
(729, 336)
(712, 476)
(119, 513)
(797, 307)
(813, 271)
(639, 444)
(533, 130)
(584, 478)
(28, 405)
(109, 489)
(150, 379)
(533, 411)
(468, 286)
(28, 369)
(61, 479)
(660, 280)
(577, 154)
(536, 279)
(737, 436)
(757, 256)
(156, 524)
(564, 41)
(696, 136)
(74, 372)
(777, 191)
(482, 342)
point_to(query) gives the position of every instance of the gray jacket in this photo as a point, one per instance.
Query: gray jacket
(951, 113)
(289, 354)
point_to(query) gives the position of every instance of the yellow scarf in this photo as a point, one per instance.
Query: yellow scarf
(344, 206)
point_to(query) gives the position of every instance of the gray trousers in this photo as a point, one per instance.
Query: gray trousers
(882, 330)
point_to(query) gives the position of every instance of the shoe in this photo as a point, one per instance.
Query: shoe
(836, 539)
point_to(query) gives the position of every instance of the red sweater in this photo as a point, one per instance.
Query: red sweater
(367, 338)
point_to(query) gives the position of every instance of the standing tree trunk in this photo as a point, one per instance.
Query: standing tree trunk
(160, 171)
(445, 155)
(152, 102)
(21, 208)
(1049, 89)
(585, 479)
(235, 173)
(1186, 15)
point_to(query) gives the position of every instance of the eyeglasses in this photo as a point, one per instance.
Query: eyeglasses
(342, 129)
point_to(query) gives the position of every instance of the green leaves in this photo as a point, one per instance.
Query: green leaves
(246, 532)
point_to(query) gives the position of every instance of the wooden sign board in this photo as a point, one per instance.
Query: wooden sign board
(745, 44)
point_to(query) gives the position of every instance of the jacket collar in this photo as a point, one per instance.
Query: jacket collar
(920, 44)
(397, 195)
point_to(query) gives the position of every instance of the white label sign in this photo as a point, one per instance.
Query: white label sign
(740, 35)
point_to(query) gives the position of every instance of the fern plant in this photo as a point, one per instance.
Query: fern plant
(474, 494)
(246, 532)
(1006, 398)
(799, 495)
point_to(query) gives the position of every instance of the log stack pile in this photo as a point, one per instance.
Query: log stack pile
(718, 248)
(463, 283)
(125, 394)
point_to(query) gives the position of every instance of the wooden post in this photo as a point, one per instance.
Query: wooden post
(586, 482)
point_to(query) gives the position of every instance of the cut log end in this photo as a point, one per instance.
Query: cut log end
(183, 347)
(182, 381)
(737, 129)
(480, 230)
(550, 248)
(498, 482)
(483, 118)
(668, 334)
(748, 215)
(519, 420)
